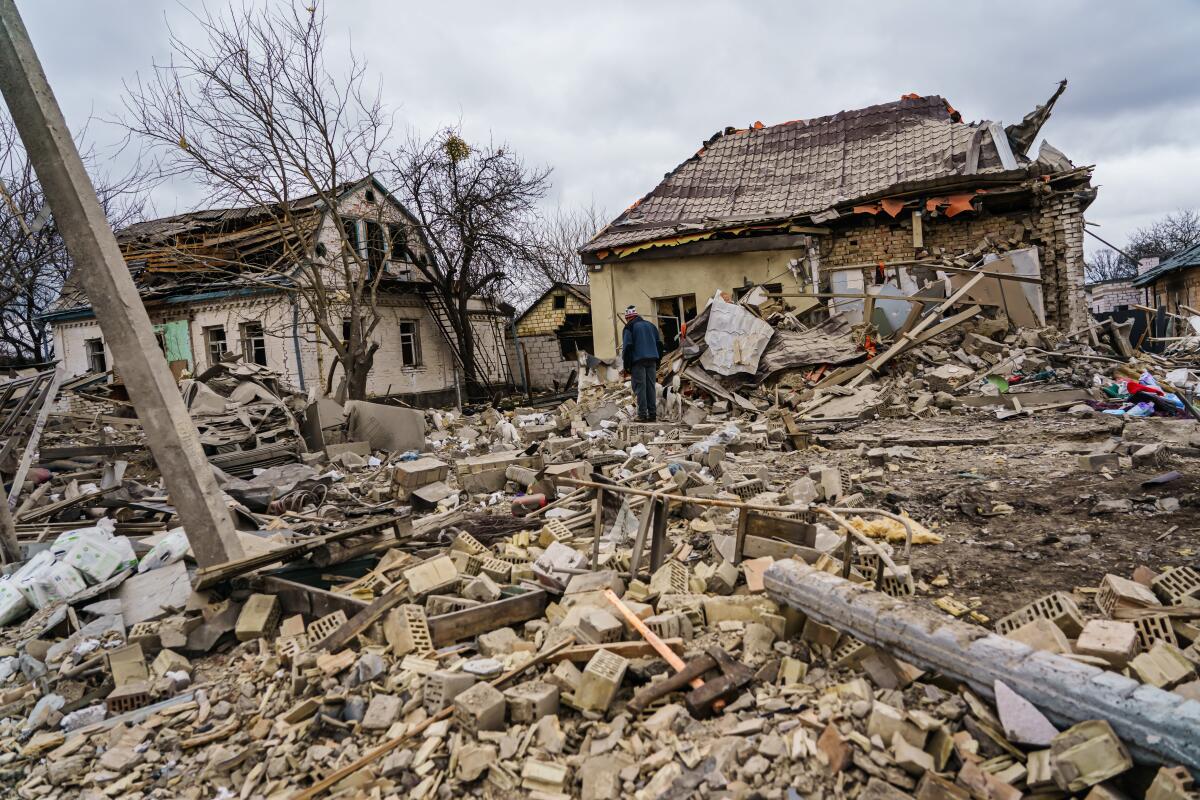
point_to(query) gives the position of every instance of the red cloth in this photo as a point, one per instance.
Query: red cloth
(1133, 387)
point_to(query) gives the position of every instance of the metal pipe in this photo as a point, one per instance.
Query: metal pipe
(1157, 726)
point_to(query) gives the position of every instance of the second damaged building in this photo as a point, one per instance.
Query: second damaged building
(851, 204)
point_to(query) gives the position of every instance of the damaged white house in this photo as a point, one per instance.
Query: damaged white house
(201, 311)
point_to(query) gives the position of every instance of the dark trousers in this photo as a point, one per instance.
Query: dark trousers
(644, 372)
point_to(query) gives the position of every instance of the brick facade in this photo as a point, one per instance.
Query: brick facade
(1055, 227)
(1110, 296)
(542, 317)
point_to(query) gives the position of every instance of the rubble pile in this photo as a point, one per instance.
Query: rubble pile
(566, 602)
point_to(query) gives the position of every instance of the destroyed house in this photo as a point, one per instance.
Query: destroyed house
(1172, 284)
(217, 281)
(551, 334)
(841, 205)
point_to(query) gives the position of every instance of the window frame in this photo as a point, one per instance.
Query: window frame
(92, 349)
(414, 344)
(249, 347)
(207, 332)
(669, 325)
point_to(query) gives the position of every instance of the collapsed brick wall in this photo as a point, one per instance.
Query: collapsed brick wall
(545, 318)
(1055, 226)
(543, 355)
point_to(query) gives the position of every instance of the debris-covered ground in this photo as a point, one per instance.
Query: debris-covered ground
(564, 602)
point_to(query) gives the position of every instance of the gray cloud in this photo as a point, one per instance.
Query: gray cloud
(613, 95)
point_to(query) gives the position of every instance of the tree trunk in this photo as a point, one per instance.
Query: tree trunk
(466, 344)
(356, 376)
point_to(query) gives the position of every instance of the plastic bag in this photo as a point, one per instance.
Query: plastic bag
(97, 561)
(102, 531)
(59, 581)
(169, 549)
(26, 576)
(723, 436)
(13, 604)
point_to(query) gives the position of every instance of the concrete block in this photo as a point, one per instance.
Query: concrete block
(599, 626)
(532, 700)
(170, 661)
(888, 721)
(406, 630)
(1094, 462)
(1087, 754)
(822, 635)
(259, 617)
(1163, 666)
(1117, 592)
(499, 642)
(409, 475)
(1115, 642)
(1177, 585)
(432, 576)
(671, 625)
(382, 711)
(482, 589)
(480, 708)
(935, 787)
(439, 688)
(1057, 607)
(566, 676)
(601, 681)
(1171, 783)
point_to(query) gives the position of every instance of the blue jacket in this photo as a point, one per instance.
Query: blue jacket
(641, 341)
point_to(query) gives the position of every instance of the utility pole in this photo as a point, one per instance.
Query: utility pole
(101, 269)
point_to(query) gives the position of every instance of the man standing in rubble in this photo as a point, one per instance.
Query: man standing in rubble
(641, 349)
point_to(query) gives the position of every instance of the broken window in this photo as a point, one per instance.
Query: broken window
(350, 230)
(410, 343)
(96, 360)
(215, 343)
(376, 246)
(770, 288)
(672, 313)
(370, 195)
(575, 335)
(399, 242)
(254, 343)
(560, 302)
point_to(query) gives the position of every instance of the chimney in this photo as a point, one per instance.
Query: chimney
(1147, 264)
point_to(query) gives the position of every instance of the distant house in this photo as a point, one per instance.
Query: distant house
(818, 205)
(1174, 284)
(201, 312)
(551, 333)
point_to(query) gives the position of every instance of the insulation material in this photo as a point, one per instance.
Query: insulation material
(736, 339)
(58, 581)
(1022, 302)
(893, 531)
(97, 561)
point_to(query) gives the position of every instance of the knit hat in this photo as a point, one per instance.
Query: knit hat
(630, 311)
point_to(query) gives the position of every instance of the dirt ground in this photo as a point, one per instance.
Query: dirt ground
(1051, 540)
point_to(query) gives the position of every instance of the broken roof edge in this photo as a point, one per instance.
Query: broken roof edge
(1184, 259)
(669, 235)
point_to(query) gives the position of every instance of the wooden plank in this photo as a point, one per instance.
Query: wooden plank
(772, 527)
(582, 653)
(343, 636)
(35, 436)
(449, 628)
(297, 598)
(54, 453)
(101, 269)
(212, 575)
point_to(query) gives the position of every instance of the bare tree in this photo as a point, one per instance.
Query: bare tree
(33, 256)
(478, 207)
(1108, 265)
(1166, 237)
(563, 232)
(252, 113)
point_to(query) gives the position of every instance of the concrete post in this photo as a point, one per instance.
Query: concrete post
(1156, 726)
(101, 269)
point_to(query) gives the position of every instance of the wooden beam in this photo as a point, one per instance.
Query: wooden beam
(707, 247)
(101, 269)
(447, 629)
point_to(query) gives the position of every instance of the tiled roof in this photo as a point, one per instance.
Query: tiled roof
(1188, 257)
(804, 167)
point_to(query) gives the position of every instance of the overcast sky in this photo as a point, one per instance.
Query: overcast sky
(612, 95)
